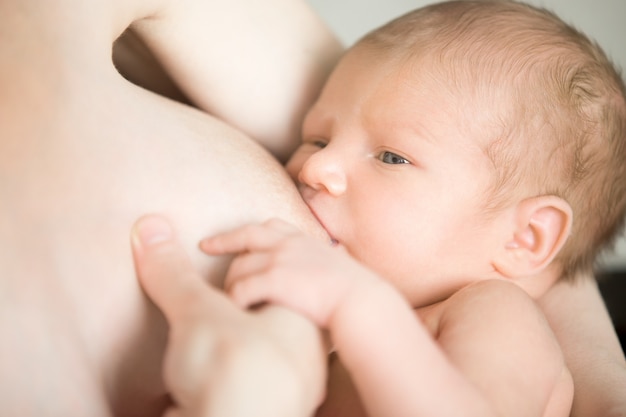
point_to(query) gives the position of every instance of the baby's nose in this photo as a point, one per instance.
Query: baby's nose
(324, 171)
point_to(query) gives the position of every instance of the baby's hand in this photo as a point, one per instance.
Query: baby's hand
(279, 264)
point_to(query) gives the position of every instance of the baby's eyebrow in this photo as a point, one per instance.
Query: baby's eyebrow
(318, 121)
(412, 129)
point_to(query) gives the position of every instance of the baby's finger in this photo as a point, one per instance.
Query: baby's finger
(270, 288)
(250, 292)
(252, 237)
(246, 265)
(281, 226)
(164, 269)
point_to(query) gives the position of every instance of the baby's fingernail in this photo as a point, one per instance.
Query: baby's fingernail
(152, 230)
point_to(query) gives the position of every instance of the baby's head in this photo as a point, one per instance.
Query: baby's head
(549, 104)
(458, 142)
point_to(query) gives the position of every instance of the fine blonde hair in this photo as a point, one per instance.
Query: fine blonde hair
(557, 107)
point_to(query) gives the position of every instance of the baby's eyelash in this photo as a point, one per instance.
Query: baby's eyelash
(317, 142)
(392, 158)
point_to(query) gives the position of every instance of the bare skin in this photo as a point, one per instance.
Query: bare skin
(586, 335)
(83, 153)
(222, 360)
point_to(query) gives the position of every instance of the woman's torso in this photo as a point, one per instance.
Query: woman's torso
(84, 153)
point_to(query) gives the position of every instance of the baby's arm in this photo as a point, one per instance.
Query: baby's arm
(496, 354)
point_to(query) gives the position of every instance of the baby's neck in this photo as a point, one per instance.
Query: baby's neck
(537, 285)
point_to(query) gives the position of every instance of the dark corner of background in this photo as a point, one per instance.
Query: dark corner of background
(613, 288)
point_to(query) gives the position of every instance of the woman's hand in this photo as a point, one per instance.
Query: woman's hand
(221, 360)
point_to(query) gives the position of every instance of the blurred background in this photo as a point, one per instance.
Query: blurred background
(602, 20)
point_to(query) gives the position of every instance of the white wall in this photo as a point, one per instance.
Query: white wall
(602, 20)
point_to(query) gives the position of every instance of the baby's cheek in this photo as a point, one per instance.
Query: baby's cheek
(293, 168)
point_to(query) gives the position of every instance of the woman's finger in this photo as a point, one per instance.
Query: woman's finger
(163, 267)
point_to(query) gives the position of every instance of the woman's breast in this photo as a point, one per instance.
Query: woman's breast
(71, 188)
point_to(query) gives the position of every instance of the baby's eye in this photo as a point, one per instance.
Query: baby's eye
(391, 158)
(318, 143)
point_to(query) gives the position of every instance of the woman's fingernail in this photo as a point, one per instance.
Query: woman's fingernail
(152, 230)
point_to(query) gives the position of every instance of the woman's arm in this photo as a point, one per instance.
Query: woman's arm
(256, 65)
(581, 322)
(137, 64)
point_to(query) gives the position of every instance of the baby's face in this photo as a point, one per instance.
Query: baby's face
(387, 168)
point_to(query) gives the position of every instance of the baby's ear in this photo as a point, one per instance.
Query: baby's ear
(541, 227)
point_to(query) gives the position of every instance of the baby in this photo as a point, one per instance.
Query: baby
(463, 157)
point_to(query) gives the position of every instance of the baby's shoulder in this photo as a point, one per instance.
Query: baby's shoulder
(493, 304)
(493, 293)
(495, 328)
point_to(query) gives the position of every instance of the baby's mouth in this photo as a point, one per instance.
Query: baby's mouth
(333, 241)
